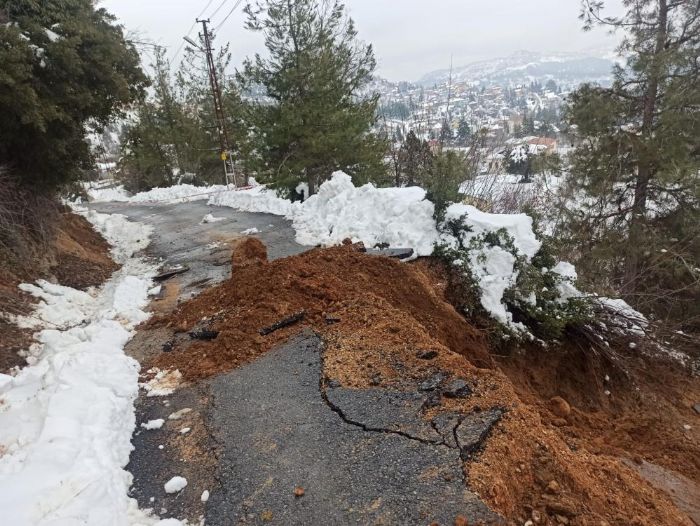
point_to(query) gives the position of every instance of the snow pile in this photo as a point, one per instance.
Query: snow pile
(113, 193)
(491, 265)
(66, 420)
(255, 199)
(181, 192)
(399, 217)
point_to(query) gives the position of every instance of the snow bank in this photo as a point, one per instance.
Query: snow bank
(255, 199)
(115, 193)
(108, 191)
(180, 192)
(399, 217)
(66, 420)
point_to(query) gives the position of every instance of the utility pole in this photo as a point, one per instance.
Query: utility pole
(225, 145)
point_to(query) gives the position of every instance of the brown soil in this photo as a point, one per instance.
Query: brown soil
(562, 468)
(320, 282)
(77, 257)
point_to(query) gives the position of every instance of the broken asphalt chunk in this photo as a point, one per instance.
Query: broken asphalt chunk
(445, 424)
(457, 389)
(169, 273)
(474, 429)
(285, 322)
(432, 383)
(203, 334)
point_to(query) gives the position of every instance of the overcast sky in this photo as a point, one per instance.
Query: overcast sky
(410, 37)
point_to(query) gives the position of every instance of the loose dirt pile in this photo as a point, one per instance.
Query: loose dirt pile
(388, 324)
(320, 282)
(77, 257)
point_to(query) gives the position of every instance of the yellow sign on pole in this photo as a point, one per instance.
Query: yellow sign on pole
(223, 156)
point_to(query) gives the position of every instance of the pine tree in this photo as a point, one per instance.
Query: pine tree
(640, 156)
(315, 120)
(463, 131)
(646, 126)
(65, 66)
(415, 160)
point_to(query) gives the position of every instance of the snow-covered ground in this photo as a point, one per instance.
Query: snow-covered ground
(66, 419)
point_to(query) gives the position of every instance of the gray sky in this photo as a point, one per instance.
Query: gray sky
(410, 37)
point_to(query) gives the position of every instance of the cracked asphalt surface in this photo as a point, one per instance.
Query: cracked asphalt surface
(363, 456)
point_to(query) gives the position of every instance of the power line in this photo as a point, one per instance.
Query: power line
(189, 32)
(228, 15)
(222, 4)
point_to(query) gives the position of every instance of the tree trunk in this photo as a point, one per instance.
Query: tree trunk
(644, 167)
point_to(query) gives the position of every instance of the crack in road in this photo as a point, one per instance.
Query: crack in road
(280, 425)
(323, 385)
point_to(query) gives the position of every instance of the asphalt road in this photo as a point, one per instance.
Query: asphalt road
(281, 426)
(251, 436)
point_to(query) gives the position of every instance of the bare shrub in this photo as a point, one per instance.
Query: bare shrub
(27, 222)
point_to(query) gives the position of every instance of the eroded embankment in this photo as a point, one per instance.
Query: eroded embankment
(75, 255)
(387, 324)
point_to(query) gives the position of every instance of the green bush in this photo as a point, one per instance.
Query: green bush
(534, 300)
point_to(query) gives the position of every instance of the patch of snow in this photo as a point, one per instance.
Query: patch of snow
(163, 383)
(177, 415)
(155, 290)
(492, 266)
(209, 218)
(175, 484)
(250, 231)
(626, 318)
(205, 496)
(185, 430)
(303, 189)
(153, 424)
(52, 36)
(566, 287)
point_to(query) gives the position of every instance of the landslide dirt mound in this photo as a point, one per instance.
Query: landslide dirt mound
(76, 256)
(320, 282)
(388, 324)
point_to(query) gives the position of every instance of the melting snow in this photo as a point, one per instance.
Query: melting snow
(153, 424)
(175, 484)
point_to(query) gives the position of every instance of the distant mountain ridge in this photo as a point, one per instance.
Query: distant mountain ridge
(525, 66)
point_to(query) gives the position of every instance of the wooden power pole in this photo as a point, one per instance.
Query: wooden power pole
(226, 151)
